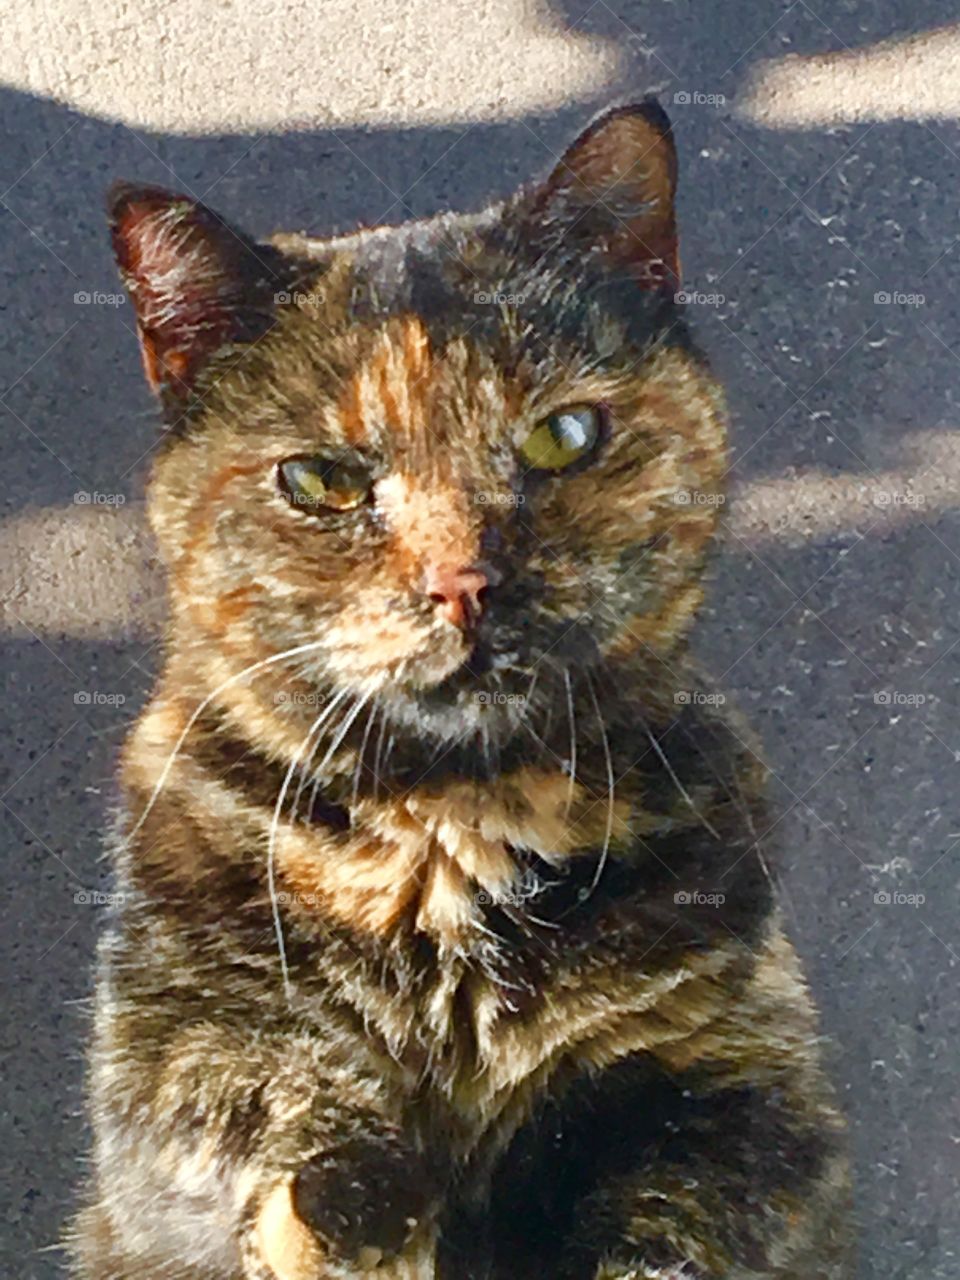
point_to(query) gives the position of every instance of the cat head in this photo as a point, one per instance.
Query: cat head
(448, 463)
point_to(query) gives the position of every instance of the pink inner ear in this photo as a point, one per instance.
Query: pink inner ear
(179, 262)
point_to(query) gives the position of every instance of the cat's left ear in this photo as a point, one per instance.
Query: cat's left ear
(196, 283)
(613, 192)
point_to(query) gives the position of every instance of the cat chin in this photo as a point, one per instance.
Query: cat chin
(469, 714)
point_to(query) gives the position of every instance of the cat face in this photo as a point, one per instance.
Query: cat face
(459, 459)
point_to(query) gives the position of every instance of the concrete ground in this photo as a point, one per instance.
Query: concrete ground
(820, 180)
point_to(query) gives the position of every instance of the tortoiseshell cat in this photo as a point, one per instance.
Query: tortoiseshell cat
(423, 966)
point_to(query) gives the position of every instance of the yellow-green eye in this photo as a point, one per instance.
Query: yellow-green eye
(563, 438)
(319, 484)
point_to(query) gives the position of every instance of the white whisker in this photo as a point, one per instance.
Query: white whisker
(611, 798)
(377, 756)
(676, 781)
(572, 719)
(532, 685)
(371, 720)
(256, 666)
(341, 734)
(343, 731)
(271, 845)
(304, 772)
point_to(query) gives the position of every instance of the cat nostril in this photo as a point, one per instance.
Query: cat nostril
(456, 591)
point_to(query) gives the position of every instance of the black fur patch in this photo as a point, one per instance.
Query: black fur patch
(367, 1192)
(586, 1147)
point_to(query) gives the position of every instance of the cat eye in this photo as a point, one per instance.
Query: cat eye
(323, 484)
(563, 438)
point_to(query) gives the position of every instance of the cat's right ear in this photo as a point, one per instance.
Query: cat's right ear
(196, 284)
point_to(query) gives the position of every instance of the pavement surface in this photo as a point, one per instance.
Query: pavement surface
(820, 156)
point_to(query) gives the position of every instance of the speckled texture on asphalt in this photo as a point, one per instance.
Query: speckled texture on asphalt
(799, 230)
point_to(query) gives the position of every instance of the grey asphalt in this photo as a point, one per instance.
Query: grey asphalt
(843, 648)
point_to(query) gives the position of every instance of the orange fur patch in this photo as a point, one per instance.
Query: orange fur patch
(435, 858)
(430, 523)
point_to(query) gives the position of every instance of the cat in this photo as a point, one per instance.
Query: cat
(446, 947)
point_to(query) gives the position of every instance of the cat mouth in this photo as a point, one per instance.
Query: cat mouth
(506, 674)
(483, 668)
(484, 692)
(506, 660)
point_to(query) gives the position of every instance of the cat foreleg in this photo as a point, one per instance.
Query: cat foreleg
(224, 1155)
(747, 1190)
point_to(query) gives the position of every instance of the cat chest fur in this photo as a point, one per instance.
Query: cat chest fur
(432, 859)
(432, 863)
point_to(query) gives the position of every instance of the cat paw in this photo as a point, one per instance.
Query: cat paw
(283, 1248)
(364, 1199)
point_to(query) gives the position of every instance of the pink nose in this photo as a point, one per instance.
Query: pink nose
(455, 590)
